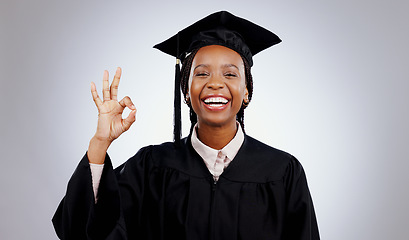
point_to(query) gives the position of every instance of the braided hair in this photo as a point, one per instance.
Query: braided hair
(184, 85)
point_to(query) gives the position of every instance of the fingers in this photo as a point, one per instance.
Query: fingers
(127, 122)
(115, 83)
(105, 86)
(109, 93)
(127, 102)
(95, 96)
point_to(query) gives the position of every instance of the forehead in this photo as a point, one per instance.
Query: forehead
(216, 54)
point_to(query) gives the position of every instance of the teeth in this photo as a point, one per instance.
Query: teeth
(216, 105)
(216, 100)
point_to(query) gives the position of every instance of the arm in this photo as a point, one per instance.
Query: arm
(96, 172)
(78, 216)
(300, 222)
(110, 122)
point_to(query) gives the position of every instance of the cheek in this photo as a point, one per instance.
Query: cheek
(196, 86)
(239, 89)
(195, 89)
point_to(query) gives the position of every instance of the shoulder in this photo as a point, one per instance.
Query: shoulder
(167, 155)
(262, 162)
(265, 151)
(153, 151)
(168, 151)
(155, 154)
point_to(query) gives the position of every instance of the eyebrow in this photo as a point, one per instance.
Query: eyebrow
(201, 65)
(223, 66)
(230, 65)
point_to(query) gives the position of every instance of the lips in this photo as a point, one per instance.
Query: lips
(215, 102)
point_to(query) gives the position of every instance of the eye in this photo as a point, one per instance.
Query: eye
(201, 74)
(230, 74)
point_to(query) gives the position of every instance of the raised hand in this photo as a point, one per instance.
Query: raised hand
(110, 122)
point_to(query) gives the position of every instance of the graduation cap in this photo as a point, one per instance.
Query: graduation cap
(220, 28)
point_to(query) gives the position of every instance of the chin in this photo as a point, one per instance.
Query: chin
(217, 122)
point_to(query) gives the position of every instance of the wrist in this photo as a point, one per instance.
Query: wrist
(97, 150)
(100, 143)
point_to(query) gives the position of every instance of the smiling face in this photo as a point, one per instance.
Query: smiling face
(217, 85)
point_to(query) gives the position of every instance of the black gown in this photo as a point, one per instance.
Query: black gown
(164, 192)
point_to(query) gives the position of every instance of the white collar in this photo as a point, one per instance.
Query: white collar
(209, 154)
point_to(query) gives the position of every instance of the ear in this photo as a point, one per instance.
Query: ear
(246, 94)
(186, 99)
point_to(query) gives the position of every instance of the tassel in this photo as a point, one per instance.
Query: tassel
(177, 122)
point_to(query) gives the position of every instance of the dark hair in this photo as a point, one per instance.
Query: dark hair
(184, 85)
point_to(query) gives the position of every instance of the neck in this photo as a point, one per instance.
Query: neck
(216, 137)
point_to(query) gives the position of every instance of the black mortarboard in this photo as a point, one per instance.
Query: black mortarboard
(220, 28)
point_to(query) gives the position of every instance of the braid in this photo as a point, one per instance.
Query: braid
(184, 85)
(249, 85)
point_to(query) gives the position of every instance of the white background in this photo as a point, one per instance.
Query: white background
(334, 93)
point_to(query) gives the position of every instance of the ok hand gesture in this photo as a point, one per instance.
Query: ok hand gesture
(110, 122)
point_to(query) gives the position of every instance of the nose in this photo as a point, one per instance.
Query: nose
(215, 82)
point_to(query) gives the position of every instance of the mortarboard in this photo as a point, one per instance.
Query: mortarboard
(220, 28)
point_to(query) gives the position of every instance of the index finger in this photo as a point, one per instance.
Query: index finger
(115, 84)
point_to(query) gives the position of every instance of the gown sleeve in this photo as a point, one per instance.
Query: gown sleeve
(300, 222)
(79, 217)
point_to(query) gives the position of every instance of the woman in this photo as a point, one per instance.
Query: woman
(217, 183)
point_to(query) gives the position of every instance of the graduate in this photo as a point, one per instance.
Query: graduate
(216, 183)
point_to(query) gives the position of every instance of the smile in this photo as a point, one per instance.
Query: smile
(216, 103)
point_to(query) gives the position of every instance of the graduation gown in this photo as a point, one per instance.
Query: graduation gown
(167, 192)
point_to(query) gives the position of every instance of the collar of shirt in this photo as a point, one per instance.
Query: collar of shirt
(217, 160)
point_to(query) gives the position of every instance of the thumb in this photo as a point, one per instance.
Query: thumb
(127, 122)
